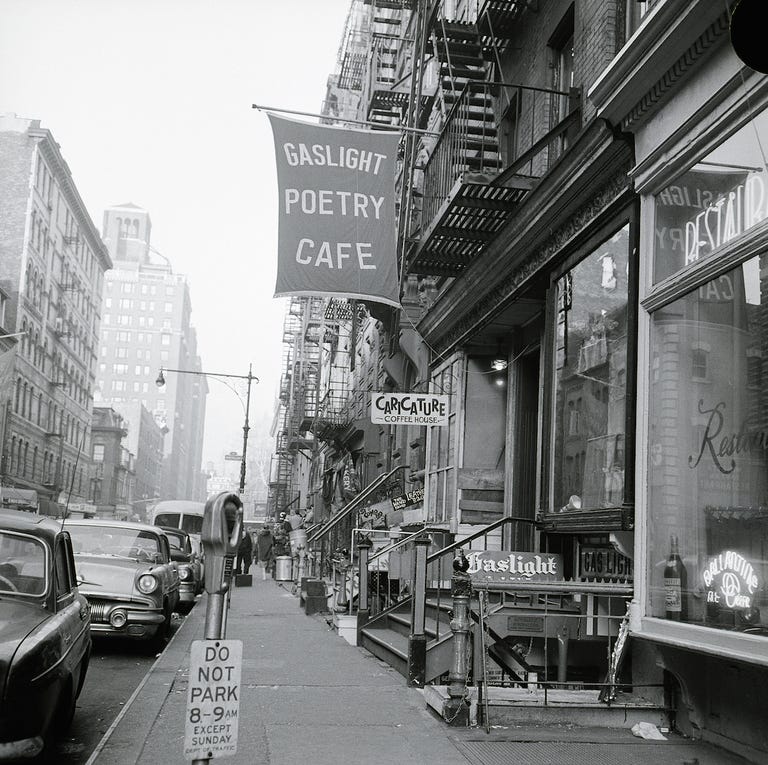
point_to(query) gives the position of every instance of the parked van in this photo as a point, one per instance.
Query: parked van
(181, 514)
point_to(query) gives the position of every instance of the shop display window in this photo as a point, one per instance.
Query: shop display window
(717, 200)
(708, 453)
(591, 380)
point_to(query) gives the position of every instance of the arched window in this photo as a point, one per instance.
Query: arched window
(18, 395)
(39, 408)
(26, 456)
(12, 466)
(34, 462)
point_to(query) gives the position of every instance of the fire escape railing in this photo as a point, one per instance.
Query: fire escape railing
(468, 142)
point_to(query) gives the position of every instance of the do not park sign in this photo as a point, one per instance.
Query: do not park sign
(213, 699)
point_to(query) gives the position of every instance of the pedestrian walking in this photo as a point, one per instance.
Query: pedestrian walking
(265, 550)
(244, 554)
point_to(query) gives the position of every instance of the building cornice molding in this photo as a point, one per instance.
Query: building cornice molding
(555, 217)
(644, 73)
(51, 153)
(615, 191)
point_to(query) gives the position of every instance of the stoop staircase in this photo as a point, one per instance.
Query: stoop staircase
(386, 636)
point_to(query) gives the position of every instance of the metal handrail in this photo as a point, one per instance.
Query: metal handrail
(586, 588)
(482, 532)
(354, 503)
(401, 542)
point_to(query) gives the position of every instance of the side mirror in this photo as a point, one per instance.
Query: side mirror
(222, 524)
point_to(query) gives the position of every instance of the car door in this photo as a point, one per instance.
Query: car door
(72, 612)
(171, 577)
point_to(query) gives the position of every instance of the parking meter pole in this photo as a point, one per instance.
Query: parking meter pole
(222, 527)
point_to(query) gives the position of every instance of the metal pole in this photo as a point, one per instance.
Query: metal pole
(387, 128)
(245, 432)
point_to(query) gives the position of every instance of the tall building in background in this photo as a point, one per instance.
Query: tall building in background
(146, 326)
(52, 264)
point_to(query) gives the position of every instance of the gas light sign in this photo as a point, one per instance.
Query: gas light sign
(409, 408)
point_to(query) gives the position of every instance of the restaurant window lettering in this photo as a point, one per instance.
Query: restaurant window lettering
(590, 379)
(708, 453)
(722, 197)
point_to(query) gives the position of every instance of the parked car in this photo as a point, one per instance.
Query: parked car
(188, 565)
(45, 641)
(126, 572)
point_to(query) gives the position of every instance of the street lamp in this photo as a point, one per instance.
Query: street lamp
(249, 377)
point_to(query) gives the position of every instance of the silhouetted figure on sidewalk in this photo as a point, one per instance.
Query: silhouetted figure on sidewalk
(265, 553)
(244, 554)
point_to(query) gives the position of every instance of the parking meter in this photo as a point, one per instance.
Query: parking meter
(222, 528)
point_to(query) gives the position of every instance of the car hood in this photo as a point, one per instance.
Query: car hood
(19, 619)
(101, 575)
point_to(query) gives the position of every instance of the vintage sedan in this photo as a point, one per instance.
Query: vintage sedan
(126, 572)
(45, 642)
(188, 565)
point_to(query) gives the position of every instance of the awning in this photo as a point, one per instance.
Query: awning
(10, 496)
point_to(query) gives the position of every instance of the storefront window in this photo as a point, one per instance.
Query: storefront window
(717, 200)
(590, 383)
(708, 453)
(442, 446)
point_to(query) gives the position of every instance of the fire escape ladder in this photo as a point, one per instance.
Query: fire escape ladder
(467, 193)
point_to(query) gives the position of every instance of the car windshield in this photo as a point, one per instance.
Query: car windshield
(115, 541)
(176, 542)
(192, 524)
(22, 565)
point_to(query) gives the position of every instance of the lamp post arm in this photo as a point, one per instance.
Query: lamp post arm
(248, 377)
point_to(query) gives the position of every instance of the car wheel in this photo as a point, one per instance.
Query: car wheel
(157, 643)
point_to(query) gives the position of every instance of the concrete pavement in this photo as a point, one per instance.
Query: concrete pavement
(307, 696)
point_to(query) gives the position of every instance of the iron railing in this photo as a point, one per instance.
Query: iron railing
(476, 139)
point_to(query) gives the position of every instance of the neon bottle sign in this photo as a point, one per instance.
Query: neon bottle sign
(730, 580)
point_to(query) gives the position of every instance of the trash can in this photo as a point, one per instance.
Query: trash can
(283, 565)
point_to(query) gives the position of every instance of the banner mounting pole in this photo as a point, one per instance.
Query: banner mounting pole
(393, 128)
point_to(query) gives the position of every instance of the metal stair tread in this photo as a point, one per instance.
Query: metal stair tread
(389, 639)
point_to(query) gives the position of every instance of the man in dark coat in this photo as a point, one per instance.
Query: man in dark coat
(264, 551)
(244, 554)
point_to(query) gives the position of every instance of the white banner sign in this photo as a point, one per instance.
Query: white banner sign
(409, 408)
(213, 699)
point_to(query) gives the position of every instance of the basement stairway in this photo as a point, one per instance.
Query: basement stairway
(520, 699)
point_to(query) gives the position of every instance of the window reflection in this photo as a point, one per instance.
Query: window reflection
(590, 392)
(708, 458)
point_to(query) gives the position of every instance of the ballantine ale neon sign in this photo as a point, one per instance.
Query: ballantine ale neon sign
(730, 580)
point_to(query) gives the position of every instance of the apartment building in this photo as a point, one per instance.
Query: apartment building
(52, 265)
(147, 327)
(581, 242)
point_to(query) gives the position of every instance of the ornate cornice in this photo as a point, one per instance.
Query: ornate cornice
(663, 87)
(50, 150)
(481, 311)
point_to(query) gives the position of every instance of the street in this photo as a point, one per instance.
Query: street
(115, 671)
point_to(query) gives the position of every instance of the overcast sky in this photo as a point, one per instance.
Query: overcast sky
(150, 101)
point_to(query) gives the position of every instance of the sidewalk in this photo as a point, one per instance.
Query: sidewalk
(307, 696)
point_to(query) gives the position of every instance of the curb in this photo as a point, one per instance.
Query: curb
(159, 699)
